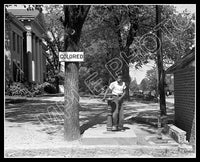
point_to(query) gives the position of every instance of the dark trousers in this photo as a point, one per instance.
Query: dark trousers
(117, 112)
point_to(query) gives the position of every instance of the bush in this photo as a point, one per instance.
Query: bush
(61, 78)
(45, 87)
(29, 90)
(37, 89)
(18, 89)
(48, 88)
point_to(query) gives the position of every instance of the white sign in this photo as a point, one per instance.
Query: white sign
(71, 56)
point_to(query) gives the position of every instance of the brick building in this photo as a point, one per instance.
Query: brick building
(24, 49)
(184, 94)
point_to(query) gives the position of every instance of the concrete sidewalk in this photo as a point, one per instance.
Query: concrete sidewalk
(134, 134)
(26, 137)
(97, 142)
(98, 135)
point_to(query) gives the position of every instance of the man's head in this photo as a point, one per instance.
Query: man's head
(119, 78)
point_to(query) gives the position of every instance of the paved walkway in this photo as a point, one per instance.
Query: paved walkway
(23, 130)
(98, 135)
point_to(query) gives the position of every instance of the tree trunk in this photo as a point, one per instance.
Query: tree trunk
(161, 78)
(125, 71)
(57, 82)
(74, 18)
(57, 70)
(71, 120)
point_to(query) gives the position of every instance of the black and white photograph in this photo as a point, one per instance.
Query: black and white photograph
(99, 80)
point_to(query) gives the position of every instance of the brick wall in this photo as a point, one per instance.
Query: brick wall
(184, 86)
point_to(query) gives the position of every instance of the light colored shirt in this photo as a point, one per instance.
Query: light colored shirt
(116, 88)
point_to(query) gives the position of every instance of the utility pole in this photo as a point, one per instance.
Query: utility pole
(161, 77)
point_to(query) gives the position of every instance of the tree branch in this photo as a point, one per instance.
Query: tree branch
(50, 46)
(133, 30)
(147, 26)
(56, 40)
(66, 13)
(85, 10)
(49, 61)
(118, 32)
(130, 37)
(74, 18)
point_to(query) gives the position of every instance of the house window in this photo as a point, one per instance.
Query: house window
(20, 45)
(17, 43)
(44, 77)
(13, 41)
(17, 74)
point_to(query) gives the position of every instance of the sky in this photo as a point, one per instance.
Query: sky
(190, 7)
(140, 73)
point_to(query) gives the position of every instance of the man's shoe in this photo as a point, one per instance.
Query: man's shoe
(121, 128)
(114, 128)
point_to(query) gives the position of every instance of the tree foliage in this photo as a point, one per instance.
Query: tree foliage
(182, 29)
(144, 84)
(107, 29)
(151, 75)
(134, 87)
(111, 29)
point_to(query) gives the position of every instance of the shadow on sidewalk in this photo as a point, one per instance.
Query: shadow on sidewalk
(90, 114)
(22, 110)
(93, 120)
(33, 111)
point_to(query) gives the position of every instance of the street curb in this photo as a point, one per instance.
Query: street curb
(96, 150)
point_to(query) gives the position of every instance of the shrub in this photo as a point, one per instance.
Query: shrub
(45, 87)
(29, 90)
(61, 77)
(37, 89)
(48, 88)
(18, 89)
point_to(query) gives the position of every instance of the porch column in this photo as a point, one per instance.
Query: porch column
(29, 53)
(34, 54)
(37, 60)
(41, 62)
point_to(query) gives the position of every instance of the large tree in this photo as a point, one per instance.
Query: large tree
(125, 25)
(183, 37)
(144, 85)
(74, 17)
(119, 23)
(177, 26)
(100, 45)
(54, 40)
(151, 75)
(134, 86)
